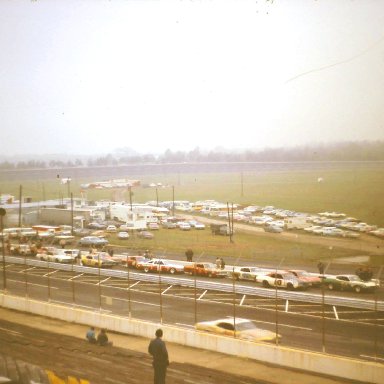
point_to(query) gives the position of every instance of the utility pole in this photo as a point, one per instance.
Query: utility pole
(130, 196)
(173, 200)
(2, 214)
(20, 197)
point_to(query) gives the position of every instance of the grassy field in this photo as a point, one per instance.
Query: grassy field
(358, 192)
(355, 191)
(245, 247)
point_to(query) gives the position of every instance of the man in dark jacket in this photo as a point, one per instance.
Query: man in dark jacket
(159, 352)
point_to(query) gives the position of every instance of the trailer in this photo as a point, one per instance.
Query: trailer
(220, 229)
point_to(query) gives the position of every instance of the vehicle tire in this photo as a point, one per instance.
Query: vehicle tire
(265, 284)
(357, 289)
(290, 287)
(57, 261)
(172, 271)
(146, 269)
(331, 287)
(210, 274)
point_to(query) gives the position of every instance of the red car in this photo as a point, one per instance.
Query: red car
(132, 261)
(205, 269)
(312, 279)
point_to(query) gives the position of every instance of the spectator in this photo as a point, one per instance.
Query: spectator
(91, 335)
(158, 351)
(218, 262)
(102, 338)
(222, 263)
(62, 243)
(189, 254)
(320, 266)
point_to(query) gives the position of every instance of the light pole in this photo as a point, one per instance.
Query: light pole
(2, 214)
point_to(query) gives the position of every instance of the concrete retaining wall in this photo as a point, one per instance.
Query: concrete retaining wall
(366, 372)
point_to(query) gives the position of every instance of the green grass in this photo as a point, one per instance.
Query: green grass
(355, 191)
(245, 247)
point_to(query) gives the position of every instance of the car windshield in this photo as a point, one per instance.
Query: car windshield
(245, 326)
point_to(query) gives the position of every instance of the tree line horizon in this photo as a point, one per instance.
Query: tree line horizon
(349, 151)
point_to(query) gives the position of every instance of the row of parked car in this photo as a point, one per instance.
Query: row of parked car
(291, 279)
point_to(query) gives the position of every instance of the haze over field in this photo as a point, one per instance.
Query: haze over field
(86, 77)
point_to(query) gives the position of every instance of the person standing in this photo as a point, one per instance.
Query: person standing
(158, 351)
(189, 254)
(321, 267)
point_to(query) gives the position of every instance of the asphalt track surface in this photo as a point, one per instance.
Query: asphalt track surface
(60, 347)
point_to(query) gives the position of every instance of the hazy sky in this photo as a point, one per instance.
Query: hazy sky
(90, 76)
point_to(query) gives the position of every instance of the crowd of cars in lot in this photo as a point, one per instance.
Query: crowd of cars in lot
(276, 220)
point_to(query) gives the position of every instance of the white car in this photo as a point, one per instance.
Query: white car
(123, 235)
(153, 226)
(55, 256)
(313, 228)
(184, 226)
(248, 273)
(111, 228)
(281, 280)
(332, 231)
(199, 225)
(160, 265)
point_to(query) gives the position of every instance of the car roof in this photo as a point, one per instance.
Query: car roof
(238, 320)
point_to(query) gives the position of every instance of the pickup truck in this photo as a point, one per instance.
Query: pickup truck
(204, 269)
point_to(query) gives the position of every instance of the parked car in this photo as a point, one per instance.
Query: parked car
(184, 226)
(199, 226)
(281, 280)
(20, 249)
(93, 241)
(196, 224)
(111, 228)
(205, 269)
(350, 282)
(351, 234)
(95, 225)
(160, 265)
(332, 231)
(312, 279)
(54, 255)
(153, 226)
(240, 328)
(169, 225)
(248, 273)
(81, 232)
(145, 235)
(101, 259)
(273, 229)
(123, 235)
(131, 261)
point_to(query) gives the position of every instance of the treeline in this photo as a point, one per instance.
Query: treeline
(350, 151)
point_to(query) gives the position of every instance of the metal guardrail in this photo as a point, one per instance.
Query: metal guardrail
(209, 285)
